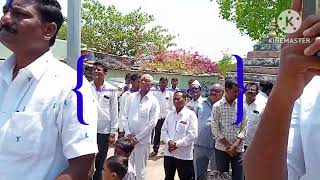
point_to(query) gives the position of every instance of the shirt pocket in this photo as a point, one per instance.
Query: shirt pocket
(23, 135)
(182, 127)
(105, 100)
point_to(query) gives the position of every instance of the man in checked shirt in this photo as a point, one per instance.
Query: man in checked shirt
(229, 137)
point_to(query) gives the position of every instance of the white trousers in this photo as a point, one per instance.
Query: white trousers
(139, 158)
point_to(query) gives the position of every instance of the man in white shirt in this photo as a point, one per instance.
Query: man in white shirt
(140, 116)
(107, 114)
(265, 89)
(126, 85)
(179, 132)
(174, 83)
(254, 111)
(135, 86)
(41, 137)
(287, 140)
(164, 97)
(195, 93)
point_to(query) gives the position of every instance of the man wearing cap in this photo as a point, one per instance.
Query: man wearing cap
(140, 116)
(195, 92)
(204, 144)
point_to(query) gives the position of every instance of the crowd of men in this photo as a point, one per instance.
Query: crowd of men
(198, 132)
(42, 139)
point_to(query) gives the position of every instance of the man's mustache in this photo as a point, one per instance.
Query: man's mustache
(11, 29)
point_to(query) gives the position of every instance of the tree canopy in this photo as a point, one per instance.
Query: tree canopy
(253, 17)
(109, 31)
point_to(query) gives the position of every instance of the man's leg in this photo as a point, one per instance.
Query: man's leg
(101, 156)
(222, 160)
(141, 158)
(237, 167)
(212, 158)
(185, 169)
(157, 137)
(169, 167)
(200, 161)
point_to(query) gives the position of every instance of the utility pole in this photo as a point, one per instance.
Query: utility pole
(74, 32)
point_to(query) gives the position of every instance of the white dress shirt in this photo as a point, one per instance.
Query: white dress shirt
(122, 101)
(303, 145)
(131, 173)
(165, 100)
(194, 104)
(181, 128)
(254, 113)
(262, 97)
(108, 108)
(140, 116)
(39, 128)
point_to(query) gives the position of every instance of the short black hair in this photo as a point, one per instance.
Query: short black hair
(230, 82)
(190, 81)
(128, 75)
(253, 84)
(266, 85)
(125, 144)
(135, 77)
(103, 64)
(163, 79)
(174, 79)
(118, 165)
(184, 94)
(50, 11)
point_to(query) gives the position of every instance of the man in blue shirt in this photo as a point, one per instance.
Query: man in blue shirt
(204, 144)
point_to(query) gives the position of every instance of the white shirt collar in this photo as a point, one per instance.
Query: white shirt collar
(37, 68)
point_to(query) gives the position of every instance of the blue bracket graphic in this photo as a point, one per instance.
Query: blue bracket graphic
(10, 2)
(79, 85)
(243, 90)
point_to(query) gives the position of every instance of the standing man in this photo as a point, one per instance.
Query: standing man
(265, 89)
(254, 111)
(107, 114)
(229, 137)
(135, 86)
(189, 96)
(174, 83)
(124, 87)
(40, 133)
(140, 117)
(195, 93)
(179, 132)
(204, 145)
(164, 97)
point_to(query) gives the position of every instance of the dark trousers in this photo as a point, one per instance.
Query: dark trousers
(157, 135)
(102, 140)
(223, 159)
(184, 168)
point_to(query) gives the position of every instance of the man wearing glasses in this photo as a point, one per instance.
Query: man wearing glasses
(255, 109)
(204, 144)
(195, 92)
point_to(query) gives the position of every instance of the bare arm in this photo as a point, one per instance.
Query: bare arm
(266, 157)
(78, 168)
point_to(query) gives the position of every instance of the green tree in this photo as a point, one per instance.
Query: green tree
(226, 64)
(253, 17)
(109, 31)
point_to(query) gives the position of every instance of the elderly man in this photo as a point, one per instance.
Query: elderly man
(195, 92)
(107, 114)
(40, 134)
(140, 116)
(204, 145)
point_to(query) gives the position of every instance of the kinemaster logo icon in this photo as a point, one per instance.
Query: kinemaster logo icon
(289, 21)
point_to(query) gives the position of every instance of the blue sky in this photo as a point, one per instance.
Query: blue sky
(196, 24)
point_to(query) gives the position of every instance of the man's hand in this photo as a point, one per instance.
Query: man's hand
(130, 136)
(135, 141)
(297, 63)
(232, 150)
(172, 146)
(112, 138)
(120, 135)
